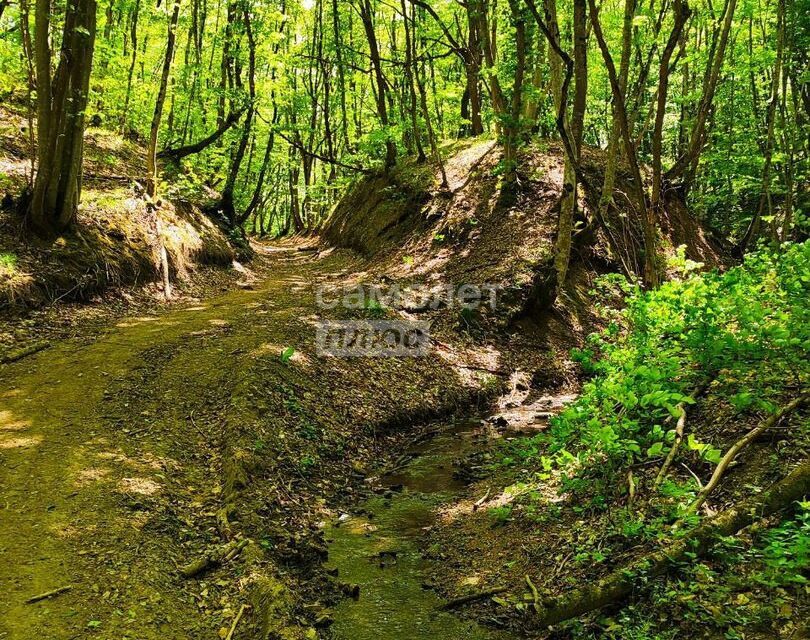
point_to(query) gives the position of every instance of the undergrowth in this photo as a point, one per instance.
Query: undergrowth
(727, 348)
(741, 336)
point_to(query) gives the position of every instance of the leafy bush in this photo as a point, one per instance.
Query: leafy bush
(745, 333)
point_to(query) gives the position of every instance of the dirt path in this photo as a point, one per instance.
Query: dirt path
(108, 464)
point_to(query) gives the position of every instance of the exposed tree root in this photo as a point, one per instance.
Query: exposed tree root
(213, 559)
(24, 352)
(480, 595)
(623, 582)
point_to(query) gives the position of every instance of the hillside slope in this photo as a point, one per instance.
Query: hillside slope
(115, 241)
(466, 232)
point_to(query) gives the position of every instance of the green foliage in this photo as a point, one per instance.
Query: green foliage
(8, 263)
(287, 354)
(745, 332)
(499, 516)
(786, 552)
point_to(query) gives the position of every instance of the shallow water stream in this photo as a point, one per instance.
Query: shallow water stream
(378, 550)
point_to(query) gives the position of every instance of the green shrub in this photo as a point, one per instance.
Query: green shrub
(744, 332)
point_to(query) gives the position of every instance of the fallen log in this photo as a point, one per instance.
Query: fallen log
(625, 581)
(24, 352)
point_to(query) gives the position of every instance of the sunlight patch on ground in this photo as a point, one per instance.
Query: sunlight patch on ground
(90, 475)
(20, 442)
(143, 486)
(9, 422)
(134, 322)
(469, 581)
(274, 349)
(17, 425)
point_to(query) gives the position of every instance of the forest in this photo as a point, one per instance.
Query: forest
(404, 319)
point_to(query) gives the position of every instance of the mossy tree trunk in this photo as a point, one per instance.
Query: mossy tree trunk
(61, 104)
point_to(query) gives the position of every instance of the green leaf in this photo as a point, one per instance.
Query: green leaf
(655, 450)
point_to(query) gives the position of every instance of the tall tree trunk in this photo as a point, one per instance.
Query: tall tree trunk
(647, 221)
(409, 80)
(61, 104)
(686, 165)
(134, 38)
(555, 62)
(612, 160)
(367, 17)
(227, 202)
(472, 68)
(562, 249)
(344, 122)
(28, 52)
(434, 147)
(151, 153)
(765, 194)
(682, 12)
(512, 121)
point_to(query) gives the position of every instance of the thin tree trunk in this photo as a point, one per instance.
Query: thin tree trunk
(682, 13)
(227, 202)
(647, 220)
(612, 160)
(151, 154)
(562, 249)
(765, 194)
(134, 38)
(367, 17)
(409, 80)
(686, 165)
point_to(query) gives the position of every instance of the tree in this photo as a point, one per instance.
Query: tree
(367, 17)
(61, 103)
(565, 227)
(154, 131)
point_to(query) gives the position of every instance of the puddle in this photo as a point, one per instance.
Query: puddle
(379, 550)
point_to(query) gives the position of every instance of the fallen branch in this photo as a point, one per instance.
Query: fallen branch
(738, 446)
(472, 597)
(213, 559)
(24, 352)
(479, 503)
(48, 594)
(535, 594)
(189, 149)
(236, 621)
(679, 430)
(623, 582)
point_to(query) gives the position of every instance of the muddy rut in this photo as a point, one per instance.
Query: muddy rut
(95, 440)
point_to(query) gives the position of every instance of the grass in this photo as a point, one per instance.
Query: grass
(8, 264)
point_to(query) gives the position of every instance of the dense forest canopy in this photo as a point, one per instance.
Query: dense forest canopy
(276, 106)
